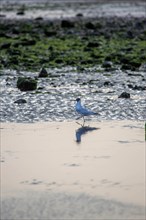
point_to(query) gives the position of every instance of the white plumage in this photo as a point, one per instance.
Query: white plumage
(82, 110)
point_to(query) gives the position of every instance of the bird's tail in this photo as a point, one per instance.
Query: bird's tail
(95, 113)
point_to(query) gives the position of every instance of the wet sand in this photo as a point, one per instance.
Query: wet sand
(59, 170)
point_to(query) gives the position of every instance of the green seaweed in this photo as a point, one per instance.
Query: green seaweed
(30, 49)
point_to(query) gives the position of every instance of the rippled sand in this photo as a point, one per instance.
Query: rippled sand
(56, 101)
(60, 170)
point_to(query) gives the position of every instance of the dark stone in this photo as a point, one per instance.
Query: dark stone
(20, 12)
(58, 60)
(79, 15)
(129, 64)
(124, 95)
(2, 16)
(39, 18)
(28, 42)
(14, 52)
(107, 64)
(80, 68)
(90, 25)
(50, 33)
(130, 86)
(93, 44)
(67, 24)
(139, 87)
(40, 88)
(107, 83)
(13, 60)
(5, 46)
(26, 84)
(142, 67)
(43, 73)
(127, 67)
(20, 101)
(16, 30)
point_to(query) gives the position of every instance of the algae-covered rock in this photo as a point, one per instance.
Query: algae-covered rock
(67, 24)
(43, 73)
(26, 84)
(107, 64)
(5, 45)
(90, 25)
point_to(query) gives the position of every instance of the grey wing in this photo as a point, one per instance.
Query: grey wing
(85, 111)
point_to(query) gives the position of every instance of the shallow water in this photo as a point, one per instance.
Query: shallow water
(54, 98)
(69, 9)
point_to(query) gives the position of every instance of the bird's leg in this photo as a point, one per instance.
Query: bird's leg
(78, 117)
(83, 121)
(79, 123)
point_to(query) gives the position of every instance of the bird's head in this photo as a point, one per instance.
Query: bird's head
(78, 99)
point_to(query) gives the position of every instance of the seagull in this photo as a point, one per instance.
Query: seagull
(83, 111)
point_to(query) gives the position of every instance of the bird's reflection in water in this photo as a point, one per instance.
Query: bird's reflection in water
(83, 130)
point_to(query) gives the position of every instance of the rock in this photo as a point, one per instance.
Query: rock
(27, 42)
(50, 33)
(80, 69)
(2, 16)
(90, 25)
(39, 18)
(93, 44)
(21, 10)
(107, 83)
(43, 73)
(124, 95)
(136, 87)
(67, 24)
(20, 101)
(26, 84)
(79, 15)
(107, 64)
(142, 67)
(129, 64)
(130, 86)
(5, 46)
(139, 88)
(127, 67)
(20, 13)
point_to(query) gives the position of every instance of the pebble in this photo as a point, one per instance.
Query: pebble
(124, 95)
(20, 101)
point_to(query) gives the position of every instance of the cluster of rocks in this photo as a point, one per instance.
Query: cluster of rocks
(130, 27)
(27, 33)
(28, 83)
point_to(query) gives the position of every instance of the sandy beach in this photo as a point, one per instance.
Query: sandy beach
(59, 170)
